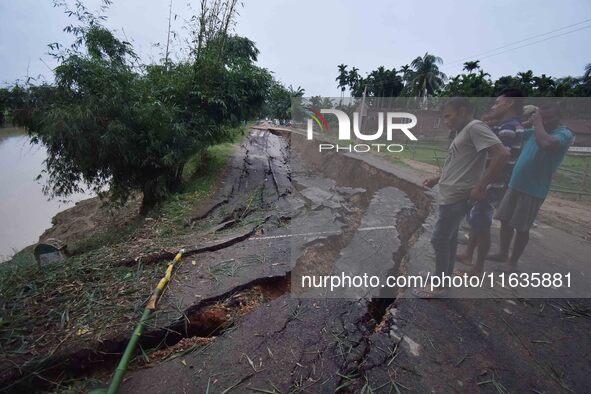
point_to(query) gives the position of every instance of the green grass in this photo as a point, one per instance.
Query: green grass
(112, 236)
(200, 177)
(430, 154)
(577, 163)
(67, 306)
(572, 181)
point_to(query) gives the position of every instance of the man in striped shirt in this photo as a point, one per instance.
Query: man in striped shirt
(504, 119)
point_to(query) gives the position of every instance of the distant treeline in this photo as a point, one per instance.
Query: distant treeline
(423, 78)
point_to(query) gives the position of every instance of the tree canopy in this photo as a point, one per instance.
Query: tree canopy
(422, 78)
(108, 122)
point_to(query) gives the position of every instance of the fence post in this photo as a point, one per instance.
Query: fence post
(585, 175)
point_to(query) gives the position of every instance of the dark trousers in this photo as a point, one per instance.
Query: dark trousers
(445, 235)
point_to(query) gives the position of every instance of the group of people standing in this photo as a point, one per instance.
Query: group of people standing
(503, 162)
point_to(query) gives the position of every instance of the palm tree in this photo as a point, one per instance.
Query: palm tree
(406, 76)
(587, 79)
(315, 103)
(394, 84)
(526, 79)
(426, 77)
(406, 71)
(354, 82)
(471, 66)
(299, 92)
(482, 74)
(544, 85)
(342, 78)
(377, 78)
(587, 72)
(568, 87)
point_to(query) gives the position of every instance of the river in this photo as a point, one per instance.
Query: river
(25, 212)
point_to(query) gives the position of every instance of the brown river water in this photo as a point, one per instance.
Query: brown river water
(25, 212)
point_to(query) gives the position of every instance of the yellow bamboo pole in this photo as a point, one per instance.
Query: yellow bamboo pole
(137, 333)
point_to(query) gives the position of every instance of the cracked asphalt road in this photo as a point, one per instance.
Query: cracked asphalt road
(302, 342)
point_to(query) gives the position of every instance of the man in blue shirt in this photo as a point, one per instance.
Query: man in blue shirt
(544, 148)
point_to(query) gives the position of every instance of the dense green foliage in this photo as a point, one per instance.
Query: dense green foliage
(110, 123)
(279, 101)
(423, 78)
(480, 84)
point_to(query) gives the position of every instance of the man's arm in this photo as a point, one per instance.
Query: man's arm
(499, 155)
(544, 140)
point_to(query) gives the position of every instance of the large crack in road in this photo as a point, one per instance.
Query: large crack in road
(243, 323)
(331, 214)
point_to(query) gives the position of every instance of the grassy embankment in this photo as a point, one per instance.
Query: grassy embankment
(89, 299)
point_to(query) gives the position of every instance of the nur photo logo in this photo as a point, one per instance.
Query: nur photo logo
(390, 122)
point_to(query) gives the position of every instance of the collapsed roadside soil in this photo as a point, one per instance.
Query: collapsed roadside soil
(228, 321)
(213, 285)
(53, 319)
(319, 344)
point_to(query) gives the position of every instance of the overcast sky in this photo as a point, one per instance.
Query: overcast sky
(303, 41)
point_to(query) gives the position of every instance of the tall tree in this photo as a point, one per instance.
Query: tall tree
(587, 79)
(355, 82)
(469, 85)
(342, 78)
(587, 74)
(4, 105)
(296, 92)
(278, 104)
(108, 122)
(526, 80)
(569, 87)
(406, 73)
(543, 85)
(471, 66)
(427, 79)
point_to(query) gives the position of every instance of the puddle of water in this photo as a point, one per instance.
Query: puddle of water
(25, 211)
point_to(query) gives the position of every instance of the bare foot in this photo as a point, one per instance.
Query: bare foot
(502, 258)
(464, 259)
